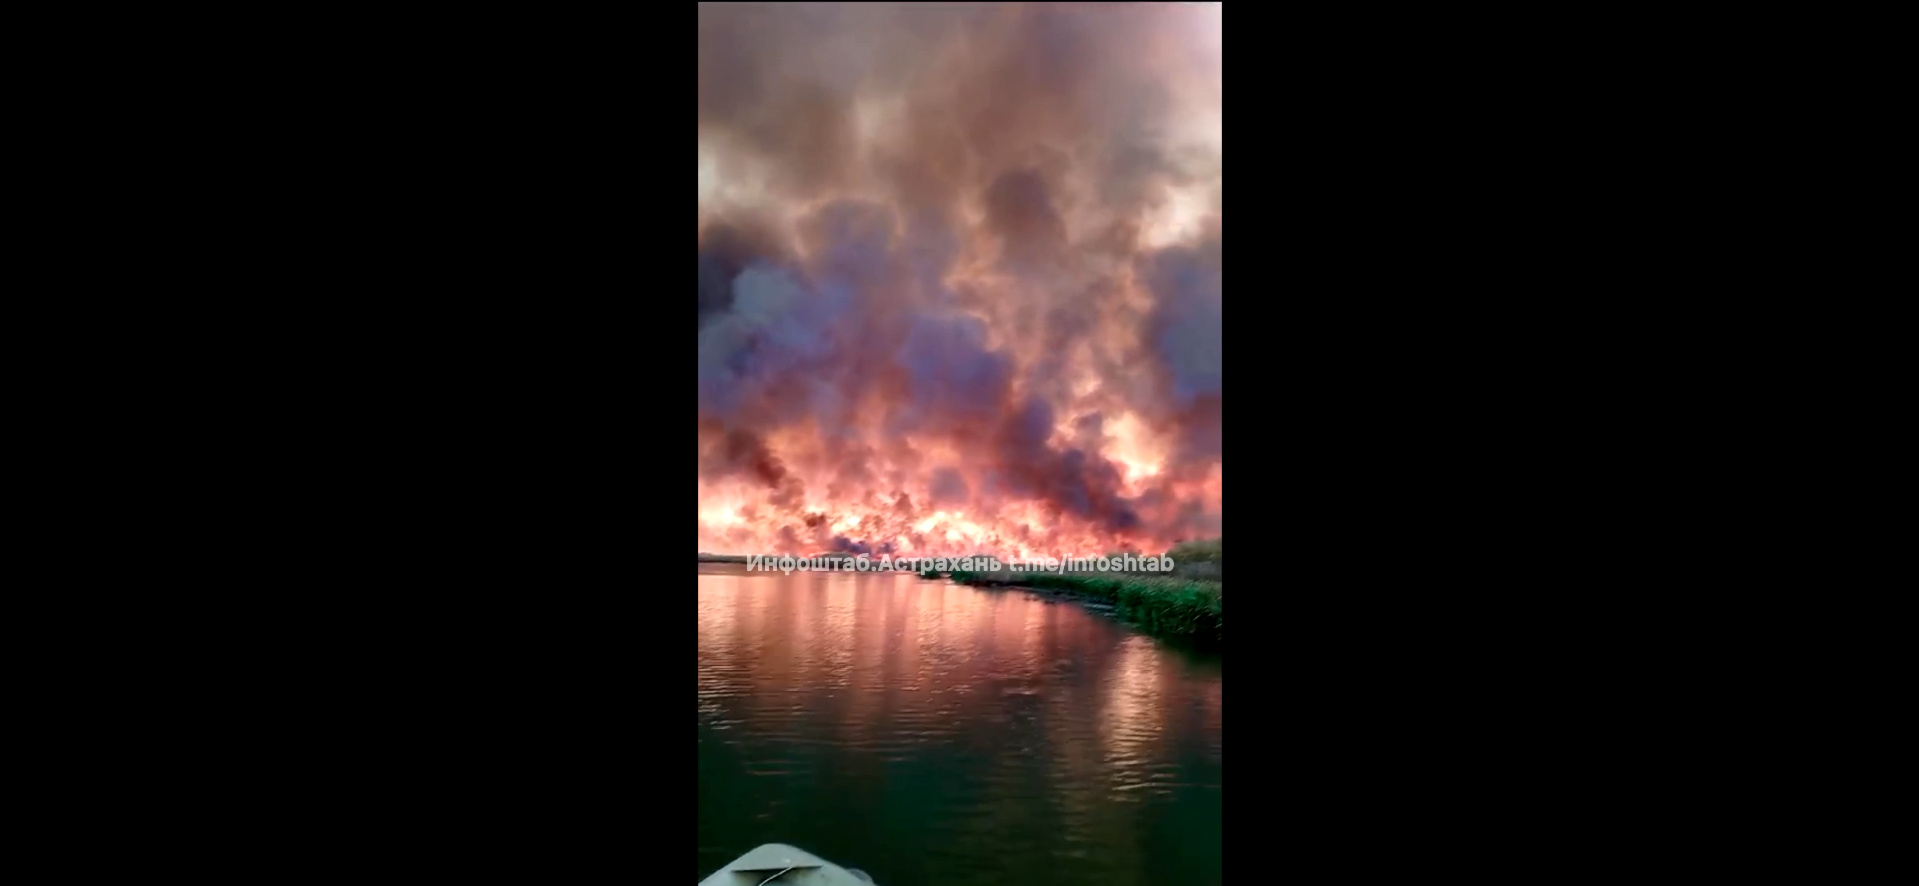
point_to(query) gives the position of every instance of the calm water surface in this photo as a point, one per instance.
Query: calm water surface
(930, 733)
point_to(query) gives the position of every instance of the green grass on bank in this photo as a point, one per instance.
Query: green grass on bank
(1170, 606)
(1184, 604)
(1198, 559)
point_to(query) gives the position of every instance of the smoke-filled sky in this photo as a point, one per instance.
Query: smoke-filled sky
(959, 277)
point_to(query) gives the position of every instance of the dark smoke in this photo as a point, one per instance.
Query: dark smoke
(935, 267)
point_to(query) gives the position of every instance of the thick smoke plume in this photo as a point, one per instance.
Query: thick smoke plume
(959, 277)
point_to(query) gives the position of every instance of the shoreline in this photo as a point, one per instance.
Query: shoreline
(1172, 608)
(1184, 606)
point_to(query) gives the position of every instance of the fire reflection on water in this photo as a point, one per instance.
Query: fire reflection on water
(989, 724)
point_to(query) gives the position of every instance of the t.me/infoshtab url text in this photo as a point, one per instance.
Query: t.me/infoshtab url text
(789, 564)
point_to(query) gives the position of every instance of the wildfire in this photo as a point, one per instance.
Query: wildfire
(959, 278)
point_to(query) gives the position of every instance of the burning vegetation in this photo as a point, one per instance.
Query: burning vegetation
(959, 278)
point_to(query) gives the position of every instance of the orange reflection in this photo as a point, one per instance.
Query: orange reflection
(1131, 719)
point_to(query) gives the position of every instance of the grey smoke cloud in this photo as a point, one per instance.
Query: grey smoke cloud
(963, 260)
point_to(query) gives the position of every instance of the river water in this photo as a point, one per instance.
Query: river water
(930, 733)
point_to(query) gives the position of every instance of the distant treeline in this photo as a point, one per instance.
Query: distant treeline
(1192, 559)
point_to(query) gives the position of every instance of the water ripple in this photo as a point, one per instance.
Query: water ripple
(927, 732)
